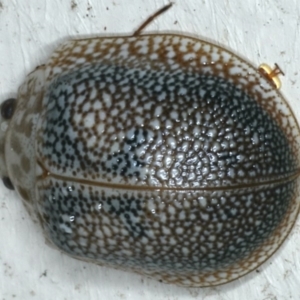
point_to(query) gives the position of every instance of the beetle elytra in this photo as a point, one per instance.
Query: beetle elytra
(157, 153)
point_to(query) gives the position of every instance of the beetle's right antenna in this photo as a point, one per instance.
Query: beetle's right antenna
(151, 18)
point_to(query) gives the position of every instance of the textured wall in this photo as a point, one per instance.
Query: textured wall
(260, 30)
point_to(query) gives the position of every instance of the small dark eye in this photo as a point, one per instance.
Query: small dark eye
(8, 108)
(7, 183)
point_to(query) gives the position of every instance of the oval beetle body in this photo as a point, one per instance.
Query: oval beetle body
(162, 154)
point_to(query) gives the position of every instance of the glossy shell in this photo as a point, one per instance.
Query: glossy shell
(162, 154)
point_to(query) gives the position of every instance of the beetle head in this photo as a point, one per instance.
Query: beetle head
(7, 110)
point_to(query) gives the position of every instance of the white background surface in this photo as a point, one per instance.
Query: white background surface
(261, 31)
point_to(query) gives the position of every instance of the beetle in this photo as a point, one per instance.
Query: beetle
(162, 154)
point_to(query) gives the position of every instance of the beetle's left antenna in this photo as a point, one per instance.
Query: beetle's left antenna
(151, 18)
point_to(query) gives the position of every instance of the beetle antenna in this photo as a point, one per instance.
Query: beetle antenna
(151, 18)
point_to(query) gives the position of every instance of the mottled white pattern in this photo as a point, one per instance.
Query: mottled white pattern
(162, 154)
